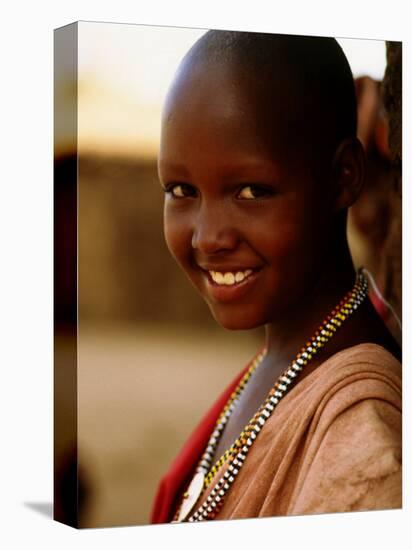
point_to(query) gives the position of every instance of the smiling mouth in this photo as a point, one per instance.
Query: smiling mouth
(229, 278)
(230, 285)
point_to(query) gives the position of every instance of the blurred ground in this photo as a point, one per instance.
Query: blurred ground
(141, 390)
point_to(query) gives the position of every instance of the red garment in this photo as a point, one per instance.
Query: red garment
(380, 306)
(181, 470)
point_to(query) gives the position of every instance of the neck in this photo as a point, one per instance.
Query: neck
(285, 337)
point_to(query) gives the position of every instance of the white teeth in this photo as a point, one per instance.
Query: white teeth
(239, 276)
(229, 278)
(218, 278)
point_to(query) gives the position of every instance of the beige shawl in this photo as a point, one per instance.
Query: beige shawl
(333, 444)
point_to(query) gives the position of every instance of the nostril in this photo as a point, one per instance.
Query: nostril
(214, 229)
(211, 242)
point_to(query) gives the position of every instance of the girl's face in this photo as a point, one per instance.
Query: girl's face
(244, 215)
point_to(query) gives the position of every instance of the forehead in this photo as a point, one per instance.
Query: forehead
(226, 108)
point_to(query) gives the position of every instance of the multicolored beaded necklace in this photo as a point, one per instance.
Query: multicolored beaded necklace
(236, 454)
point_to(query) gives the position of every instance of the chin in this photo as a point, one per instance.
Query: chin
(237, 322)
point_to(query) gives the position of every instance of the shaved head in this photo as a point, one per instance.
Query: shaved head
(306, 81)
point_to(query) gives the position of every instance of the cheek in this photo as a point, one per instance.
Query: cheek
(178, 238)
(294, 238)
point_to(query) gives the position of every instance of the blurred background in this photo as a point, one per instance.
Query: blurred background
(150, 358)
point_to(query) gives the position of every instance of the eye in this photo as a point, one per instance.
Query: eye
(253, 192)
(181, 190)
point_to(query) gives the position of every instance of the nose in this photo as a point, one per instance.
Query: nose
(214, 231)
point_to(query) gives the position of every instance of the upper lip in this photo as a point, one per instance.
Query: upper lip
(227, 268)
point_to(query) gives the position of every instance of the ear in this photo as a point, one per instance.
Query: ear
(348, 172)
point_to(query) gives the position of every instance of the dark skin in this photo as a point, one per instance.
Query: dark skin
(243, 192)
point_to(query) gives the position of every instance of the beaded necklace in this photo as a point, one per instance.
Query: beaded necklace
(236, 454)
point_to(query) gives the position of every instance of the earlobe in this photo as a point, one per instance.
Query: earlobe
(348, 170)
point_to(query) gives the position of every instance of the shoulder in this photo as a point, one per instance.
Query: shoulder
(350, 377)
(365, 358)
(356, 464)
(365, 371)
(352, 456)
(359, 412)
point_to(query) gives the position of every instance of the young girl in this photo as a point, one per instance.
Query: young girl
(259, 161)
